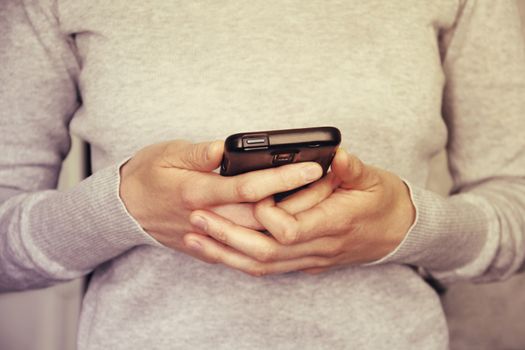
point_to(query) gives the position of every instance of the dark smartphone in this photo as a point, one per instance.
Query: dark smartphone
(258, 150)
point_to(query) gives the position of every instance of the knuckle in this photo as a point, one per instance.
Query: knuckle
(257, 214)
(193, 192)
(267, 254)
(335, 248)
(198, 154)
(188, 198)
(219, 233)
(246, 192)
(290, 235)
(191, 159)
(259, 209)
(347, 223)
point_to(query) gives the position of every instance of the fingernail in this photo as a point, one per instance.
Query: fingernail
(200, 222)
(311, 172)
(194, 245)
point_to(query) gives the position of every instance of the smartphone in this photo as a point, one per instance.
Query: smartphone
(258, 150)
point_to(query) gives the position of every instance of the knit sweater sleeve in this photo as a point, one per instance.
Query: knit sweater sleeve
(47, 236)
(478, 232)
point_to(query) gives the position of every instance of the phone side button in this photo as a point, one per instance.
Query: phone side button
(255, 141)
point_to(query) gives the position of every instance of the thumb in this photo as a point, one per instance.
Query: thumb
(205, 156)
(353, 173)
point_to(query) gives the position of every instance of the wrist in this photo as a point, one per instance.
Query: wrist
(129, 193)
(403, 213)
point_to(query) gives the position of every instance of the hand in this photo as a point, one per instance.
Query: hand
(356, 214)
(163, 183)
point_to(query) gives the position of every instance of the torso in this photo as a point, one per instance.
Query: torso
(160, 70)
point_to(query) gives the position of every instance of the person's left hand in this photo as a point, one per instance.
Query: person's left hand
(355, 214)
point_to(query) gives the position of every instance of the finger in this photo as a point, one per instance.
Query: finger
(354, 174)
(325, 219)
(239, 213)
(315, 270)
(204, 156)
(258, 245)
(194, 249)
(310, 196)
(214, 189)
(215, 251)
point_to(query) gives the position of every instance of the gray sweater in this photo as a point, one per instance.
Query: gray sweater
(401, 79)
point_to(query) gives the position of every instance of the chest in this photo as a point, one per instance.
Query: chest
(201, 70)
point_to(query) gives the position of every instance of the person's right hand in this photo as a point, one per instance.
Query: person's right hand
(163, 183)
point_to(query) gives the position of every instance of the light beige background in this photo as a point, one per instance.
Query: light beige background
(481, 317)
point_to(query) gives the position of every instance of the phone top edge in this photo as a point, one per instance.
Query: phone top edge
(325, 135)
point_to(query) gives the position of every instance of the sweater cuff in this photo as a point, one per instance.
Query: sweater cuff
(83, 227)
(448, 236)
